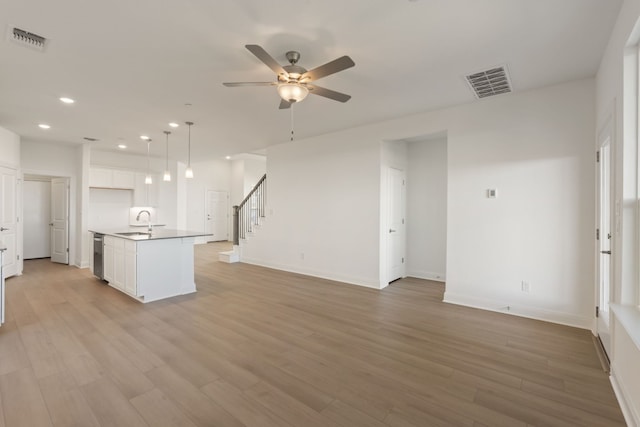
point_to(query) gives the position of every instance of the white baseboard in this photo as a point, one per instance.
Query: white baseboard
(519, 310)
(427, 275)
(629, 411)
(368, 283)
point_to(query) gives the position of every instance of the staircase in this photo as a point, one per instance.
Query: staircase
(247, 217)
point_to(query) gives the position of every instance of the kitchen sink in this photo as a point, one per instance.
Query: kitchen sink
(133, 233)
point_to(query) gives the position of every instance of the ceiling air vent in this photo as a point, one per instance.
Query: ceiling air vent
(490, 82)
(26, 38)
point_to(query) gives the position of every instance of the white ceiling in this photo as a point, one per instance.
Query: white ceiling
(132, 65)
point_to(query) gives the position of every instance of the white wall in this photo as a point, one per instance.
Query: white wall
(237, 182)
(427, 209)
(109, 208)
(534, 147)
(617, 98)
(10, 149)
(323, 207)
(254, 168)
(536, 150)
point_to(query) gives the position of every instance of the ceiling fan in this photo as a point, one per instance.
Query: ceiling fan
(293, 81)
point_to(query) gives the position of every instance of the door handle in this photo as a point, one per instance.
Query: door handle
(606, 252)
(391, 230)
(4, 229)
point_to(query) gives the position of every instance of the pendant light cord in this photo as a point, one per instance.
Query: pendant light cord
(166, 132)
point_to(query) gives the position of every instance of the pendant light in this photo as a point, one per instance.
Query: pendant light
(147, 179)
(167, 173)
(189, 172)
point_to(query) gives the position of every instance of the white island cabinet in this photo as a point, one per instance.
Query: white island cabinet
(150, 267)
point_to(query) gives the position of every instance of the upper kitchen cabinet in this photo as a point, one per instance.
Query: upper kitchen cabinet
(112, 178)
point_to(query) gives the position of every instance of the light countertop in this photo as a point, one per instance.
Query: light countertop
(156, 234)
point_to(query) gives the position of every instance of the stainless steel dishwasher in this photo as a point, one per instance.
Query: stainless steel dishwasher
(98, 259)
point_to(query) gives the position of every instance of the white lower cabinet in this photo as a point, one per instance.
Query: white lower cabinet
(130, 268)
(150, 270)
(108, 258)
(120, 264)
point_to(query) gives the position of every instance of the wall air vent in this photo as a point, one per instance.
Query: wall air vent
(26, 38)
(490, 82)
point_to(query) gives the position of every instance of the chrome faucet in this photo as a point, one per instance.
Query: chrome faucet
(149, 226)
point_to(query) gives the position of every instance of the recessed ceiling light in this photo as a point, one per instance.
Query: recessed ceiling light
(173, 125)
(44, 126)
(228, 157)
(122, 146)
(67, 100)
(144, 137)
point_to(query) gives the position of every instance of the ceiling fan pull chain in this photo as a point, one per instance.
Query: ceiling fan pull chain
(292, 104)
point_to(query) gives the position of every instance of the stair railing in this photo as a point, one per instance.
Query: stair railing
(250, 211)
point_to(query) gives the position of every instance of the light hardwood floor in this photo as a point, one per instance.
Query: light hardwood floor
(259, 347)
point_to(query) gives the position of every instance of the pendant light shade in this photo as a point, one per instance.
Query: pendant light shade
(167, 173)
(189, 172)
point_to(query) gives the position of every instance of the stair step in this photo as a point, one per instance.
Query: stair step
(229, 256)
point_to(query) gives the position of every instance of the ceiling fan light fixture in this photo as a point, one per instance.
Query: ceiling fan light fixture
(292, 92)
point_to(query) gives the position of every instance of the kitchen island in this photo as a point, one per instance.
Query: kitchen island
(149, 266)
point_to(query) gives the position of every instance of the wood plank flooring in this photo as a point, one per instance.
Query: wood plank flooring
(260, 347)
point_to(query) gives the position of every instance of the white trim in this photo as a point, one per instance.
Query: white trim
(351, 280)
(427, 275)
(631, 417)
(583, 322)
(629, 317)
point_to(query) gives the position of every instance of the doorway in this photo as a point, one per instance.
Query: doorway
(396, 231)
(46, 218)
(604, 234)
(216, 218)
(414, 201)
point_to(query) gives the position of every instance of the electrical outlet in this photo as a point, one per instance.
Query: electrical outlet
(525, 287)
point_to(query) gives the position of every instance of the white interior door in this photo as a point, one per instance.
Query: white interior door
(9, 220)
(217, 216)
(604, 242)
(60, 220)
(397, 230)
(36, 216)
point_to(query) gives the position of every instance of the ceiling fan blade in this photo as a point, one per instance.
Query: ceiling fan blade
(328, 93)
(237, 84)
(284, 104)
(263, 56)
(332, 67)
